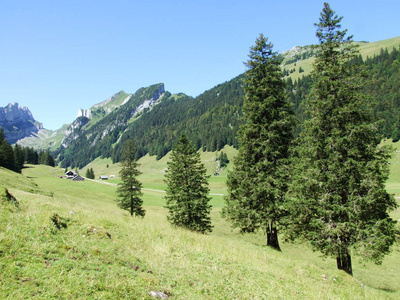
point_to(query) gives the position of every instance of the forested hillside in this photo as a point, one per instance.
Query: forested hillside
(212, 119)
(382, 76)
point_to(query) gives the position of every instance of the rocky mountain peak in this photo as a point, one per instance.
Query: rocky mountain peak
(14, 113)
(17, 122)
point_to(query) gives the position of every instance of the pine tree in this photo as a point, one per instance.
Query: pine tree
(129, 190)
(257, 183)
(187, 189)
(339, 201)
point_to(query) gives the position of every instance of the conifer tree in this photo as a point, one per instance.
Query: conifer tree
(7, 158)
(45, 158)
(187, 189)
(19, 158)
(129, 190)
(339, 202)
(258, 181)
(90, 173)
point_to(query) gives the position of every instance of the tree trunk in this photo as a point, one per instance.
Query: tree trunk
(343, 261)
(131, 204)
(272, 236)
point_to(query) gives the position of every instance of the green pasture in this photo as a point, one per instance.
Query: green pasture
(103, 253)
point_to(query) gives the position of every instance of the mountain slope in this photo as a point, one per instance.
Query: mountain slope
(154, 118)
(87, 139)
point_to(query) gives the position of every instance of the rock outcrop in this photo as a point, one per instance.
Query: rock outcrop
(148, 103)
(73, 131)
(84, 113)
(17, 122)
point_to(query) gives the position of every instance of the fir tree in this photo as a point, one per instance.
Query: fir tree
(7, 157)
(257, 183)
(45, 158)
(339, 201)
(90, 173)
(19, 157)
(187, 189)
(129, 190)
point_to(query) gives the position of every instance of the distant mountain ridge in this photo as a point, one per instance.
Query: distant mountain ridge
(17, 122)
(154, 118)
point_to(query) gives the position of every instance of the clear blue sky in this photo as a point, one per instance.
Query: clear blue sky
(57, 56)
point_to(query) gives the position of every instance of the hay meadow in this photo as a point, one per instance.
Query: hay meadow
(69, 240)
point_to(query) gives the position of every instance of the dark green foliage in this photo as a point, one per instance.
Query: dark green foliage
(90, 173)
(212, 119)
(223, 159)
(339, 202)
(383, 81)
(258, 181)
(7, 156)
(19, 157)
(187, 189)
(31, 156)
(129, 190)
(45, 158)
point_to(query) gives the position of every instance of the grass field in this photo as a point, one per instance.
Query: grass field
(100, 252)
(366, 50)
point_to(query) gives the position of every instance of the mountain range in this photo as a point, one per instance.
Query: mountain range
(154, 118)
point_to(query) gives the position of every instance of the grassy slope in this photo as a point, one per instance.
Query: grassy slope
(81, 261)
(366, 50)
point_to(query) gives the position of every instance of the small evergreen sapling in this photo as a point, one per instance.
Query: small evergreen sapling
(129, 190)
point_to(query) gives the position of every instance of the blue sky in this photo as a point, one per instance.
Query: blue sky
(59, 56)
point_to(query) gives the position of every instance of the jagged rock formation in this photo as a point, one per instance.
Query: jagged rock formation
(17, 122)
(148, 103)
(73, 131)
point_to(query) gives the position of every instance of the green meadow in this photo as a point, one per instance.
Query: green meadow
(69, 240)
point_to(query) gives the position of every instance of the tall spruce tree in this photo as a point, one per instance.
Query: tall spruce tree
(187, 189)
(129, 189)
(258, 182)
(339, 201)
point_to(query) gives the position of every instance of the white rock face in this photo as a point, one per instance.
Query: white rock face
(84, 113)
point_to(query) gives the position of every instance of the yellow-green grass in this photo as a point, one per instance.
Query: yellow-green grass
(366, 50)
(38, 261)
(374, 48)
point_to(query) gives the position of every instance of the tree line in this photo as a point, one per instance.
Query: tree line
(14, 157)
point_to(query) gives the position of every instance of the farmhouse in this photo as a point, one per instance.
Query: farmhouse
(70, 174)
(74, 176)
(103, 177)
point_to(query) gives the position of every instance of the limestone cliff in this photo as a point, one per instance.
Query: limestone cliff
(17, 122)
